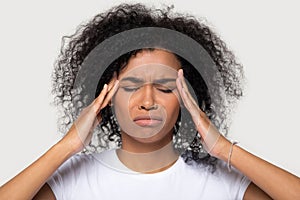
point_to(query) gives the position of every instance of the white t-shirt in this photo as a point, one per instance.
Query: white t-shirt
(89, 177)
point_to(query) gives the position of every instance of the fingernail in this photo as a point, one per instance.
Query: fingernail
(180, 71)
(105, 86)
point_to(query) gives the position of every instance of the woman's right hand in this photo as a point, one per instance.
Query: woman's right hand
(81, 131)
(32, 179)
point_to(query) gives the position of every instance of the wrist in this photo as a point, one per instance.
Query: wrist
(221, 148)
(67, 147)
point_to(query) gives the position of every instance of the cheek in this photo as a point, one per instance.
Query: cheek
(121, 99)
(177, 96)
(172, 107)
(122, 102)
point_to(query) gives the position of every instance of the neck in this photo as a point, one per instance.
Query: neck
(147, 157)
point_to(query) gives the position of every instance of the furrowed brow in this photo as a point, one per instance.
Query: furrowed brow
(132, 79)
(164, 80)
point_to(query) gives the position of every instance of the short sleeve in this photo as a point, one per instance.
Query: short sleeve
(65, 179)
(235, 181)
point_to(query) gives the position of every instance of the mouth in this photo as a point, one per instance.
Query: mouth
(148, 120)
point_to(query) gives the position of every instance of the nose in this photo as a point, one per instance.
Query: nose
(147, 101)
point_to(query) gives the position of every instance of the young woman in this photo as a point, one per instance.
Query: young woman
(138, 105)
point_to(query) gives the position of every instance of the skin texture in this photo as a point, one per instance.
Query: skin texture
(129, 16)
(265, 176)
(145, 96)
(28, 183)
(268, 181)
(149, 98)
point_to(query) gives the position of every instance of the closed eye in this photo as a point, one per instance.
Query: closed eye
(130, 89)
(164, 88)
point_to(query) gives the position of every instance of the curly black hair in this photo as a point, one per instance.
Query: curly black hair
(75, 49)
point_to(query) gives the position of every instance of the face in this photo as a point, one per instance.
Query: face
(147, 102)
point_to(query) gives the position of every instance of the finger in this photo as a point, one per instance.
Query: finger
(183, 83)
(112, 82)
(188, 100)
(179, 87)
(98, 101)
(181, 79)
(110, 94)
(183, 95)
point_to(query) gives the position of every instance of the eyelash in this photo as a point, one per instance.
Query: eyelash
(127, 89)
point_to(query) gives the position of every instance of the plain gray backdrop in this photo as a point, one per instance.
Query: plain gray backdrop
(264, 35)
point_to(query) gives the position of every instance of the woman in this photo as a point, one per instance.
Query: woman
(148, 93)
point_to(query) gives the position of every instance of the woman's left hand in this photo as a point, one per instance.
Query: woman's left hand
(265, 176)
(210, 136)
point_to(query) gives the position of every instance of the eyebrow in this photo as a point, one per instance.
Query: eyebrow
(164, 80)
(158, 81)
(132, 79)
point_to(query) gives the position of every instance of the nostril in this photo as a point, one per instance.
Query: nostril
(152, 107)
(143, 107)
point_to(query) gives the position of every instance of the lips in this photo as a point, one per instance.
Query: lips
(146, 120)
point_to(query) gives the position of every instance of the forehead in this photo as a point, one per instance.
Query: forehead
(148, 63)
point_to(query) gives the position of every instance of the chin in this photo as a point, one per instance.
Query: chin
(157, 138)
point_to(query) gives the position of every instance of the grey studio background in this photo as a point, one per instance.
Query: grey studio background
(263, 34)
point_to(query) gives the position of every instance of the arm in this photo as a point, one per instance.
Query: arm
(27, 183)
(267, 179)
(255, 193)
(276, 182)
(45, 193)
(31, 180)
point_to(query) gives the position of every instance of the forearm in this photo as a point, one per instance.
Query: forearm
(276, 182)
(28, 182)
